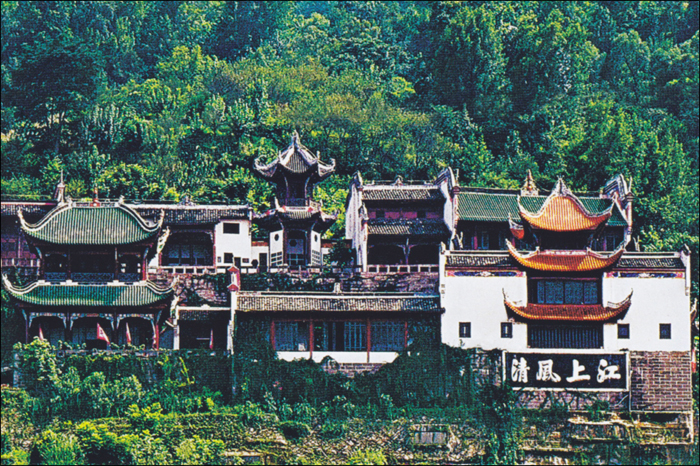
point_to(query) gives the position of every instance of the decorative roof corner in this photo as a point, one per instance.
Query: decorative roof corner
(516, 229)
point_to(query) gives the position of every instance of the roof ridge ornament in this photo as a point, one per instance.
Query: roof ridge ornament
(529, 187)
(59, 193)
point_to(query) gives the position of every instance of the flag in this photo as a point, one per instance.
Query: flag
(128, 334)
(41, 334)
(101, 335)
(211, 339)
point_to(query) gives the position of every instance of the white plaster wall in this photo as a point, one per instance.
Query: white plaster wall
(316, 244)
(449, 208)
(257, 250)
(353, 225)
(479, 300)
(237, 244)
(655, 301)
(276, 244)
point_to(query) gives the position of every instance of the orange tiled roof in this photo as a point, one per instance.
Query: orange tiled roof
(562, 211)
(571, 312)
(565, 261)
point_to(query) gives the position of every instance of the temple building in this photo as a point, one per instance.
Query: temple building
(359, 331)
(93, 260)
(297, 221)
(569, 316)
(400, 223)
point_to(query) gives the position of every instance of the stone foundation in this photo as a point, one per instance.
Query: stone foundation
(351, 369)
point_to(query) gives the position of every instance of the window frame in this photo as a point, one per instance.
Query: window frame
(623, 331)
(465, 330)
(506, 330)
(235, 226)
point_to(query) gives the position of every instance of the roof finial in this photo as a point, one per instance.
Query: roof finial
(59, 193)
(95, 198)
(295, 138)
(529, 187)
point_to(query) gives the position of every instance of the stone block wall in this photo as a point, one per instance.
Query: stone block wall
(418, 282)
(661, 381)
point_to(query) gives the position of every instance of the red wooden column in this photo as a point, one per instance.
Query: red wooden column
(369, 338)
(311, 339)
(272, 335)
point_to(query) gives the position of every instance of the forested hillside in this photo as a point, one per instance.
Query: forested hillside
(160, 100)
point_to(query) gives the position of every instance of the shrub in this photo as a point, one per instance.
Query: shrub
(293, 430)
(199, 451)
(146, 449)
(146, 418)
(59, 448)
(101, 446)
(368, 457)
(251, 414)
(15, 457)
(332, 430)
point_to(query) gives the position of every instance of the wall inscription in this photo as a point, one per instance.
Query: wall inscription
(571, 371)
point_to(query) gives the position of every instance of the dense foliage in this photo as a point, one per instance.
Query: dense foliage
(166, 99)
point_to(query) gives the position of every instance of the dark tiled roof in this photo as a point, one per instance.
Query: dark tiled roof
(336, 303)
(418, 226)
(637, 261)
(479, 260)
(402, 193)
(68, 224)
(192, 215)
(296, 159)
(46, 294)
(495, 207)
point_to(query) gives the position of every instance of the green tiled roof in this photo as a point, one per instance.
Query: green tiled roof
(67, 224)
(45, 294)
(418, 226)
(495, 207)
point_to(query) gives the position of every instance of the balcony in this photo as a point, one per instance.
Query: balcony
(301, 202)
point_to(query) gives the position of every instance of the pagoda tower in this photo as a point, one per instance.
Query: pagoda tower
(564, 273)
(297, 221)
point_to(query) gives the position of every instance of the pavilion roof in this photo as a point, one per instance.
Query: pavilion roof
(497, 207)
(562, 211)
(97, 295)
(91, 225)
(295, 159)
(570, 312)
(566, 260)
